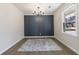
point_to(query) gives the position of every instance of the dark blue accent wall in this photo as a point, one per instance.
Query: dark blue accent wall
(38, 25)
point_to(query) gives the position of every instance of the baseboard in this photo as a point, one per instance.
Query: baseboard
(67, 45)
(10, 46)
(38, 36)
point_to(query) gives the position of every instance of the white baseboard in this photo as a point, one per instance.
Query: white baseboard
(10, 46)
(67, 45)
(38, 36)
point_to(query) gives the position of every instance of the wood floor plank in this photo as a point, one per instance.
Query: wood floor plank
(14, 50)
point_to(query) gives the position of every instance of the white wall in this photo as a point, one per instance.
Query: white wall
(70, 41)
(11, 26)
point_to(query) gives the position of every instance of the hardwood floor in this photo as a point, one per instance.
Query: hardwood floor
(14, 50)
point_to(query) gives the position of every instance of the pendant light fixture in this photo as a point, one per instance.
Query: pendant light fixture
(38, 12)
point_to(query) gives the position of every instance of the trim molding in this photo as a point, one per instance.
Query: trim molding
(38, 36)
(67, 46)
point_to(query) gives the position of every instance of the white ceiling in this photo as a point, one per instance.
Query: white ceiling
(28, 8)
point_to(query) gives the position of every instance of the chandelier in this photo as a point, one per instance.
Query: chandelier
(38, 12)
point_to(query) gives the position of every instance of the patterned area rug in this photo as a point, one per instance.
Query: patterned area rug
(39, 45)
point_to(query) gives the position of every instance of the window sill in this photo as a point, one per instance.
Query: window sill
(71, 33)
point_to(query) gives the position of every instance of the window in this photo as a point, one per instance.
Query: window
(70, 20)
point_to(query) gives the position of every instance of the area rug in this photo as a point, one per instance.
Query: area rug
(40, 45)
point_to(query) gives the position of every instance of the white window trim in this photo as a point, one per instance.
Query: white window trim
(76, 33)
